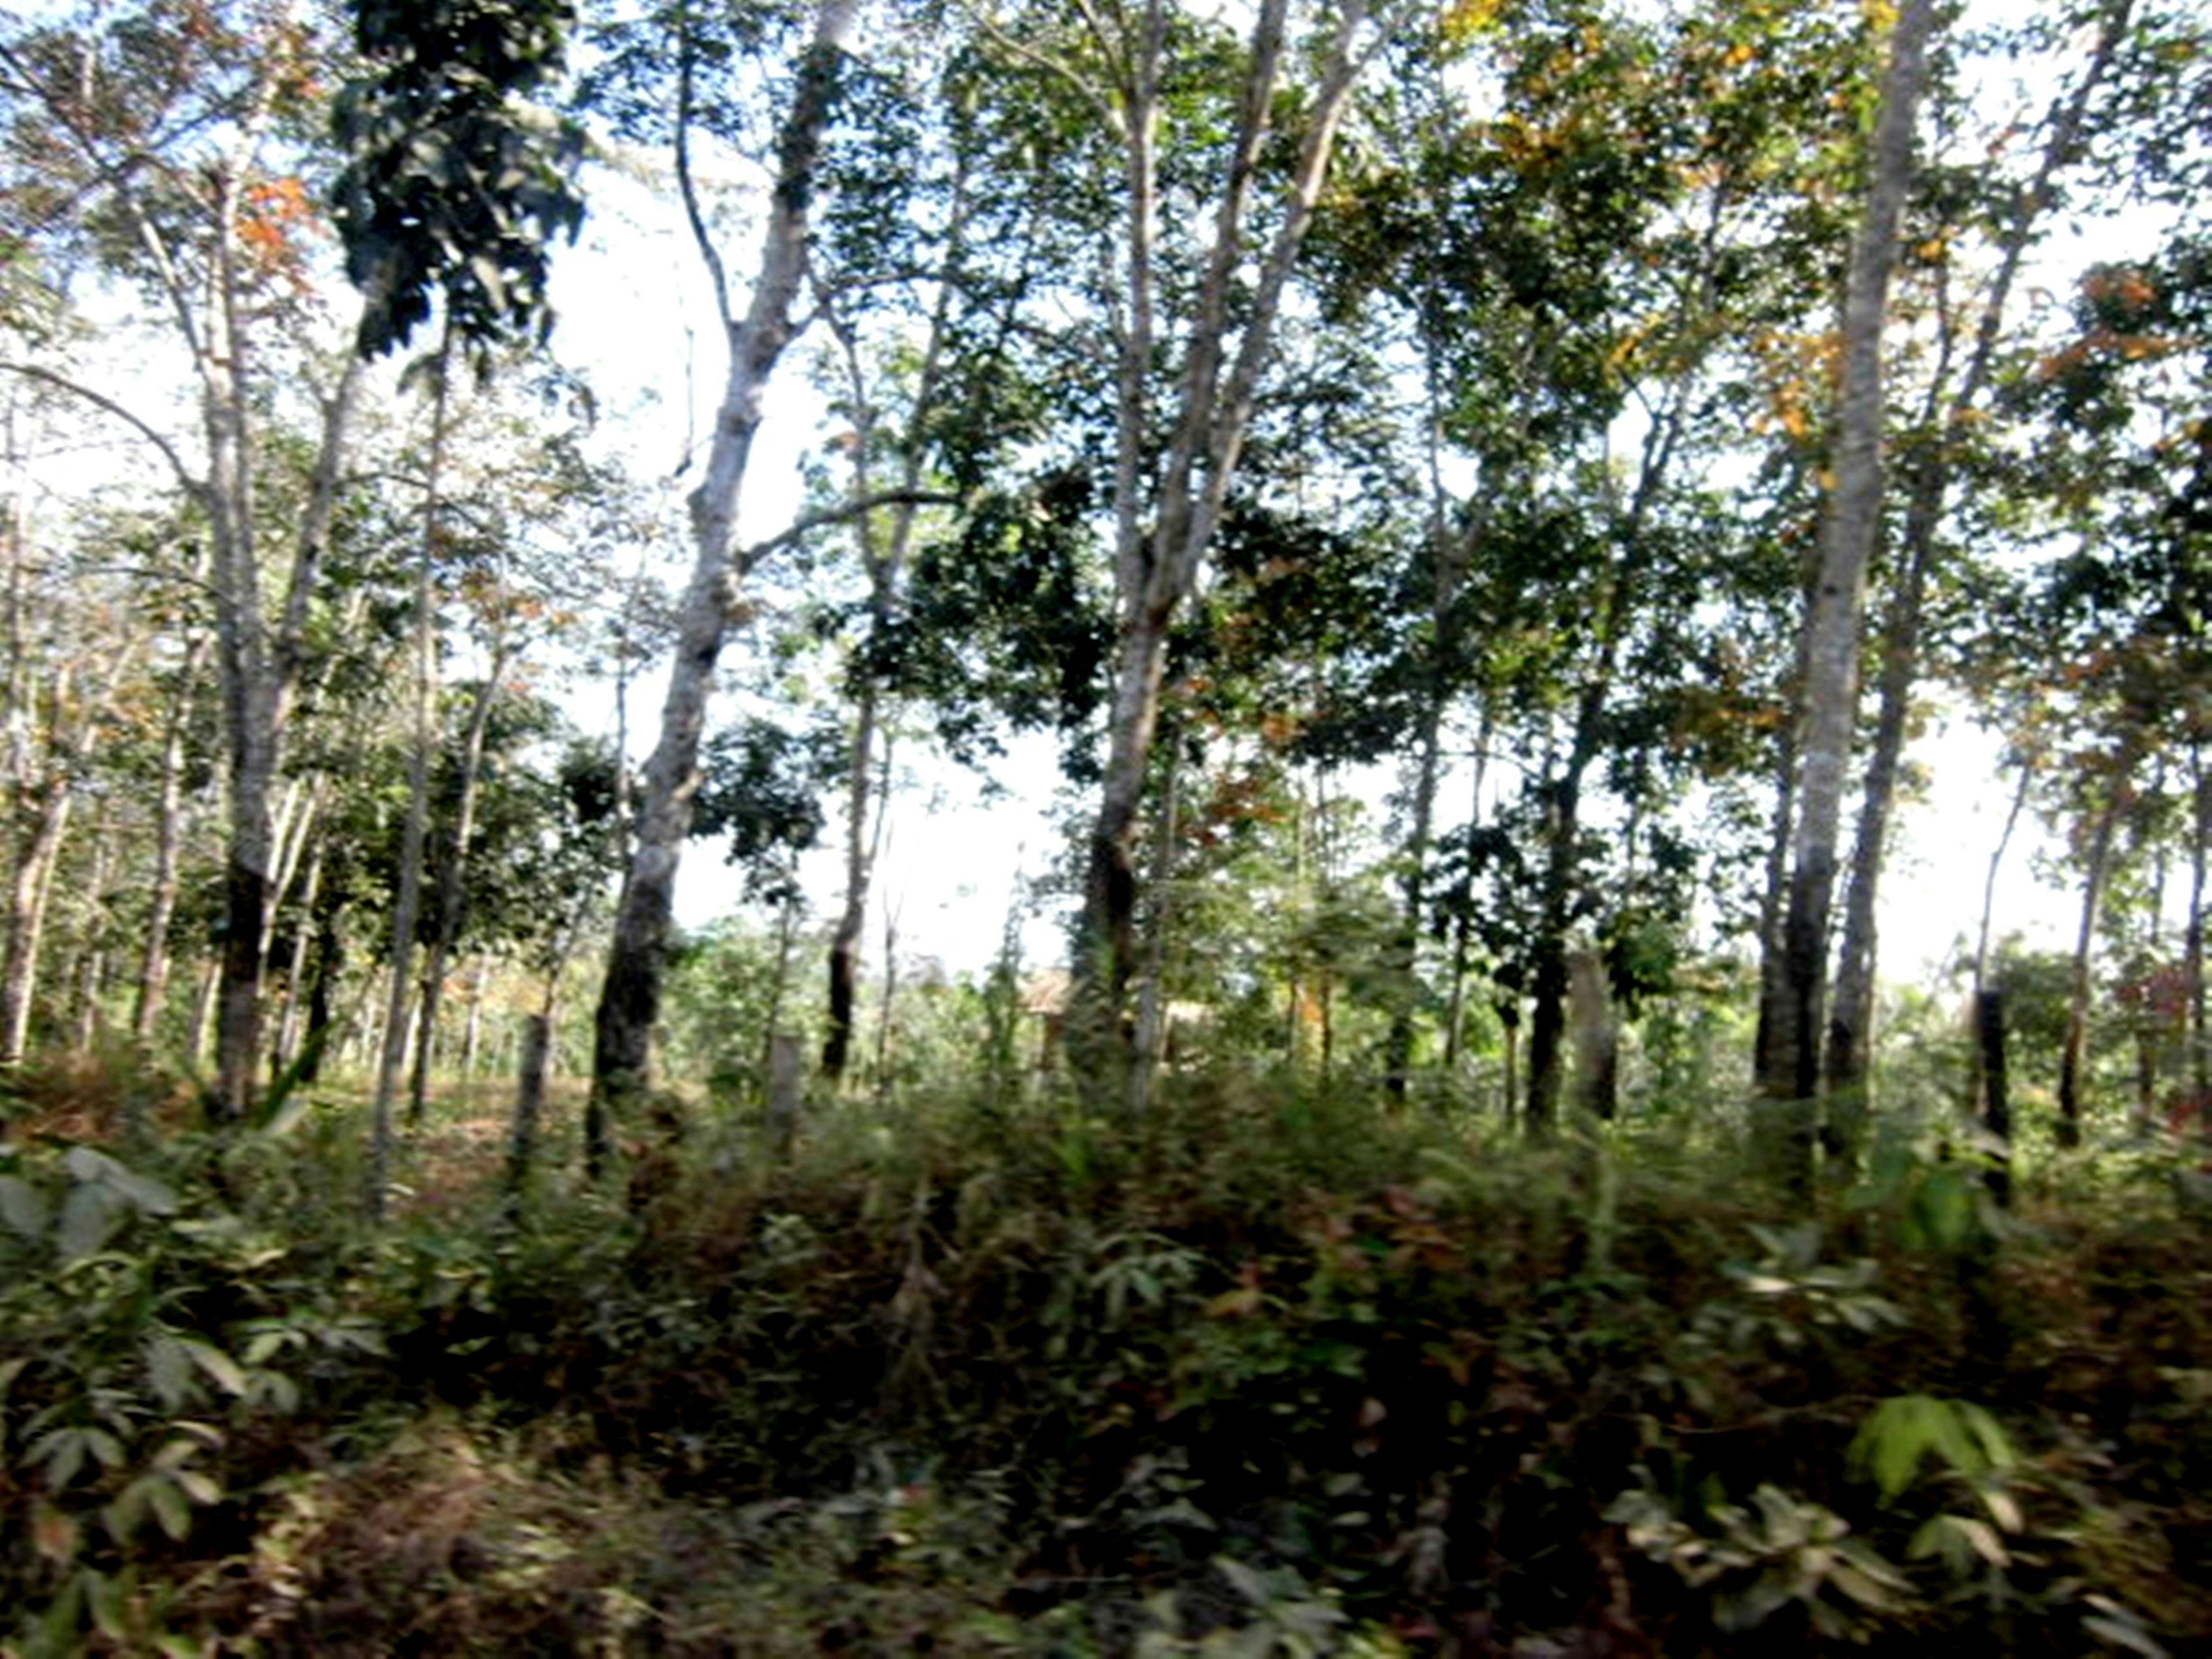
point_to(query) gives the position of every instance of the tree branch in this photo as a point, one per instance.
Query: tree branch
(844, 513)
(193, 486)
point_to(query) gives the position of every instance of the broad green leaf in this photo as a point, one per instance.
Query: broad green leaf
(168, 1370)
(200, 1486)
(88, 1219)
(170, 1510)
(152, 1197)
(220, 1367)
(121, 1517)
(24, 1208)
(110, 1605)
(62, 1452)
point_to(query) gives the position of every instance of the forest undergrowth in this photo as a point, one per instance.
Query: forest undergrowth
(1281, 1372)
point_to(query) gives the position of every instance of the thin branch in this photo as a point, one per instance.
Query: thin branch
(687, 187)
(195, 487)
(844, 513)
(1100, 103)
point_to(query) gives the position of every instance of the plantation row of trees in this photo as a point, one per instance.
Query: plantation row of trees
(1621, 420)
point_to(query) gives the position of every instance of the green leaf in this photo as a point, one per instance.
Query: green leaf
(168, 1371)
(24, 1208)
(110, 1606)
(63, 1453)
(2123, 1633)
(170, 1510)
(151, 1197)
(200, 1486)
(88, 1218)
(220, 1367)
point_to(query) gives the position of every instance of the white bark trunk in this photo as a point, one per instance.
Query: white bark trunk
(629, 999)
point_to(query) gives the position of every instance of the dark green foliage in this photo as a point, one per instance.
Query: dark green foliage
(456, 186)
(762, 794)
(1003, 624)
(1014, 1382)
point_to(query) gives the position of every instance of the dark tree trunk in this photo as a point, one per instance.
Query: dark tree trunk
(2073, 1060)
(1997, 1098)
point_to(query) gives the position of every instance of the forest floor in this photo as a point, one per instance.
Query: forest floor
(1282, 1373)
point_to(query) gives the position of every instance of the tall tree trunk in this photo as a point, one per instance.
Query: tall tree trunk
(2073, 1056)
(26, 921)
(290, 1026)
(1829, 693)
(852, 919)
(883, 557)
(453, 878)
(45, 792)
(1846, 1059)
(1463, 900)
(2200, 845)
(1774, 897)
(92, 963)
(1449, 555)
(630, 997)
(407, 903)
(169, 846)
(1995, 1086)
(1164, 526)
(1152, 991)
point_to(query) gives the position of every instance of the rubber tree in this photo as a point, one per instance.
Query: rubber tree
(1828, 698)
(1929, 464)
(169, 127)
(758, 329)
(1214, 316)
(449, 200)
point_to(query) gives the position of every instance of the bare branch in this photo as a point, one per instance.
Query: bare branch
(193, 486)
(687, 187)
(844, 513)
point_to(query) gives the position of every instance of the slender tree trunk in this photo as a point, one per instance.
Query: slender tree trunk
(27, 920)
(1996, 862)
(1774, 900)
(1151, 990)
(42, 805)
(1848, 530)
(2073, 1056)
(888, 1006)
(472, 1032)
(1846, 1060)
(852, 919)
(1597, 1039)
(1997, 1097)
(629, 998)
(1449, 555)
(169, 846)
(1164, 529)
(294, 1021)
(207, 998)
(1463, 898)
(92, 964)
(407, 903)
(2200, 843)
(453, 878)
